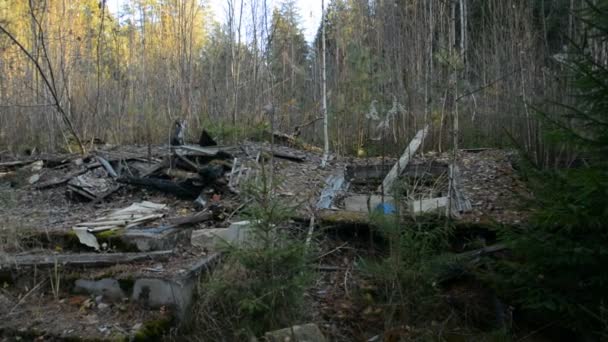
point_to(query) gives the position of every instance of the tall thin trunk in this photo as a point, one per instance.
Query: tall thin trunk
(324, 90)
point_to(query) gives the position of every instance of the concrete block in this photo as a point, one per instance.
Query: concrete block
(359, 202)
(214, 239)
(428, 205)
(154, 293)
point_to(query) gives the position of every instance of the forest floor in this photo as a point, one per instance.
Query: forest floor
(45, 196)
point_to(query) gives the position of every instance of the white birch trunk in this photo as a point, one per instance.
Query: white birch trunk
(324, 90)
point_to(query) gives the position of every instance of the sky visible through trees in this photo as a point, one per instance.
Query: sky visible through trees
(310, 11)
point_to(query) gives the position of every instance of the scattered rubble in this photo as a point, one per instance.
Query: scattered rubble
(136, 227)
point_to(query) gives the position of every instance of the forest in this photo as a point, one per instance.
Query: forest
(491, 226)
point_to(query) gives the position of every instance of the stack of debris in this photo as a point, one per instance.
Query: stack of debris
(137, 227)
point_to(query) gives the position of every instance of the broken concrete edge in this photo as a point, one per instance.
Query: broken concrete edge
(386, 204)
(306, 332)
(218, 239)
(204, 265)
(343, 219)
(152, 292)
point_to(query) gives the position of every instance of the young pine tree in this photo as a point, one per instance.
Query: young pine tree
(560, 266)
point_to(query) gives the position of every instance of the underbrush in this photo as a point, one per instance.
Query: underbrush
(227, 132)
(12, 232)
(261, 283)
(425, 292)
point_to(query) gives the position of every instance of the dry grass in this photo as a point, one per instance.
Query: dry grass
(12, 229)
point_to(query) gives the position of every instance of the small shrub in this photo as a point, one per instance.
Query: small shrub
(406, 277)
(558, 273)
(227, 132)
(261, 284)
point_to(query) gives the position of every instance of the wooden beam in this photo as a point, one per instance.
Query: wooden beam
(401, 164)
(460, 203)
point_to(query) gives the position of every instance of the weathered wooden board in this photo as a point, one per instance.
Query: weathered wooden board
(401, 164)
(78, 259)
(460, 203)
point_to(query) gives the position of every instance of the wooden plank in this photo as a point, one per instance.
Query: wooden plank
(401, 164)
(79, 259)
(191, 219)
(103, 223)
(460, 202)
(365, 203)
(335, 184)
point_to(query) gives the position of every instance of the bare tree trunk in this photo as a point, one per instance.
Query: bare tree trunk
(48, 81)
(324, 90)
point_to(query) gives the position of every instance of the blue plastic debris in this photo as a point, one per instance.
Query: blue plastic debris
(385, 208)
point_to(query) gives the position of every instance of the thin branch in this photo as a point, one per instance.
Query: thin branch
(51, 86)
(487, 85)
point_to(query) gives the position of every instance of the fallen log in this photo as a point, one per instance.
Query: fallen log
(79, 259)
